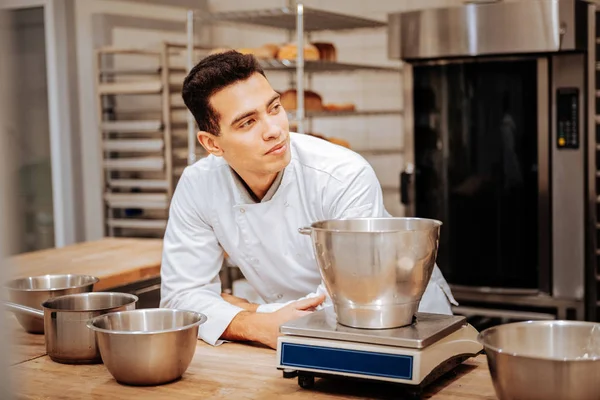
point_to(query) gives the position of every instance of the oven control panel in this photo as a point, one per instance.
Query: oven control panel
(567, 113)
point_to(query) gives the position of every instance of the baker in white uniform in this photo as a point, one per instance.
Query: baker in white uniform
(248, 198)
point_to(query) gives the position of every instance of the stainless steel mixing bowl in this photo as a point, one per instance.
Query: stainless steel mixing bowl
(544, 360)
(147, 346)
(375, 269)
(34, 290)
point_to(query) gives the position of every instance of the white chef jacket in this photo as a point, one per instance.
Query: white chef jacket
(209, 215)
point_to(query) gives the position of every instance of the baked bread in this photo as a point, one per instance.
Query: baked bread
(327, 51)
(340, 142)
(290, 50)
(272, 49)
(312, 100)
(339, 107)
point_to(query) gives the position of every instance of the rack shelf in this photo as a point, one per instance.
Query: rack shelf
(285, 18)
(137, 223)
(321, 66)
(354, 113)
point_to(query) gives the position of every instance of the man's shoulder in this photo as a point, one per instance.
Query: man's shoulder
(207, 167)
(204, 175)
(323, 157)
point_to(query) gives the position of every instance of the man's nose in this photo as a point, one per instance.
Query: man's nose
(272, 131)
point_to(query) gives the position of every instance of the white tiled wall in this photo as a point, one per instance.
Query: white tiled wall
(368, 90)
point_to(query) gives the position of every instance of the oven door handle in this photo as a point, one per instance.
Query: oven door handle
(405, 182)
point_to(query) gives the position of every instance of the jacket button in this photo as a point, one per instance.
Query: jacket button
(242, 210)
(279, 296)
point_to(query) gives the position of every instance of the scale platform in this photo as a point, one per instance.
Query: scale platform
(413, 356)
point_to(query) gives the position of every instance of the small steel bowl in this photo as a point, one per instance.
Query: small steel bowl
(34, 290)
(147, 346)
(544, 360)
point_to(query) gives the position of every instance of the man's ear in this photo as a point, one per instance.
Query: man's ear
(210, 143)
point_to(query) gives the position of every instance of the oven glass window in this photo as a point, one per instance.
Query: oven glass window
(476, 169)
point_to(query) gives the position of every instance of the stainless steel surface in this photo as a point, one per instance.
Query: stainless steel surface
(503, 314)
(563, 306)
(34, 290)
(543, 162)
(25, 311)
(409, 142)
(133, 145)
(137, 223)
(68, 339)
(428, 329)
(495, 290)
(567, 184)
(356, 113)
(157, 201)
(131, 126)
(389, 259)
(285, 18)
(479, 29)
(135, 164)
(591, 291)
(321, 66)
(549, 360)
(300, 114)
(147, 347)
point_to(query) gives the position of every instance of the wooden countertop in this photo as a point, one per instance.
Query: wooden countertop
(232, 371)
(24, 346)
(116, 261)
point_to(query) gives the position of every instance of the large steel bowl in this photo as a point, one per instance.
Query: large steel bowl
(147, 346)
(34, 290)
(544, 360)
(375, 269)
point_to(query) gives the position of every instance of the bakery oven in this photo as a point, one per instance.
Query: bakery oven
(499, 102)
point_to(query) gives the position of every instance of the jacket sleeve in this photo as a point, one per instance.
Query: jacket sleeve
(191, 261)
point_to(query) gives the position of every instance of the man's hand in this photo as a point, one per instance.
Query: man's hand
(239, 302)
(264, 327)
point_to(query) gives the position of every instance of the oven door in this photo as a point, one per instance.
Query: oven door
(477, 135)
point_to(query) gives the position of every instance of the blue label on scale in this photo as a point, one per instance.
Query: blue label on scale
(345, 360)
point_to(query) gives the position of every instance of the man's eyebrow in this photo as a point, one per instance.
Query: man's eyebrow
(275, 97)
(244, 115)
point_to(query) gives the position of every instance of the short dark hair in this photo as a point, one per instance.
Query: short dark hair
(210, 75)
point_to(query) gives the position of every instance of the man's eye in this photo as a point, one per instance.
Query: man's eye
(247, 123)
(276, 108)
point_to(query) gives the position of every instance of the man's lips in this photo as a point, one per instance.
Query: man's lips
(276, 148)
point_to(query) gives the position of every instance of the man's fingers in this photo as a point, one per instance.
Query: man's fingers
(309, 303)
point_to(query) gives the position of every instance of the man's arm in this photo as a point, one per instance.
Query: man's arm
(192, 259)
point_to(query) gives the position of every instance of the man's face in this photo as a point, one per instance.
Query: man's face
(254, 129)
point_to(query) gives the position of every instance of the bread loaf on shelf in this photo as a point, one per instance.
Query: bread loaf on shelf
(290, 50)
(312, 100)
(327, 51)
(334, 140)
(339, 107)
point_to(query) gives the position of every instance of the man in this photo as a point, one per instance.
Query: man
(248, 198)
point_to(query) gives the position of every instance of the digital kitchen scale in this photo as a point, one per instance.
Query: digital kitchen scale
(413, 356)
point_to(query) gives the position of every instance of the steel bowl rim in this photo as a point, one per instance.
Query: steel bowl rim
(130, 296)
(435, 221)
(90, 323)
(92, 281)
(482, 334)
